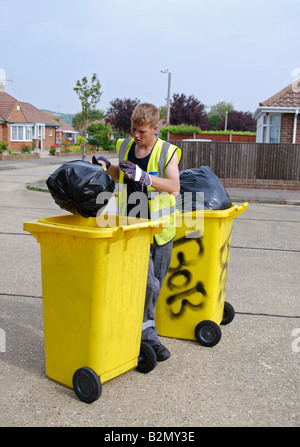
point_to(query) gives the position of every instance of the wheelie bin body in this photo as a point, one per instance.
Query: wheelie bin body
(93, 286)
(193, 291)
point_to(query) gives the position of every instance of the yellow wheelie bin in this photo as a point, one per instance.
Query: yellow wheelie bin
(192, 303)
(93, 286)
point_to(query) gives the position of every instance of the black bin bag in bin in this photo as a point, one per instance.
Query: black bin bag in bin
(76, 185)
(204, 180)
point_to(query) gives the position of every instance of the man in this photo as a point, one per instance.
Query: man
(149, 165)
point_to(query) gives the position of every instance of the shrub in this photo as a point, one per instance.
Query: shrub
(79, 140)
(182, 129)
(26, 149)
(75, 148)
(3, 146)
(101, 140)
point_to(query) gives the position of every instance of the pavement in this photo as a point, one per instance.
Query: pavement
(249, 379)
(255, 195)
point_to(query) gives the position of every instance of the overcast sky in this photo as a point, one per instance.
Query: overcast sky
(240, 51)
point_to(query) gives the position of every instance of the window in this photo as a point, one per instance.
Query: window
(270, 128)
(28, 133)
(274, 128)
(39, 131)
(50, 131)
(264, 129)
(21, 133)
(14, 133)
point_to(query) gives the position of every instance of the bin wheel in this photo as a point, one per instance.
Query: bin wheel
(208, 333)
(147, 359)
(228, 313)
(87, 385)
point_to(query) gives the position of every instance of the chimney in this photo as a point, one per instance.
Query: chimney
(2, 80)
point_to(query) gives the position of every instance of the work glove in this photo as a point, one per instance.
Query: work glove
(101, 161)
(134, 172)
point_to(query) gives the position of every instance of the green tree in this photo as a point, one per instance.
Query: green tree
(79, 120)
(221, 108)
(162, 112)
(89, 96)
(214, 119)
(98, 135)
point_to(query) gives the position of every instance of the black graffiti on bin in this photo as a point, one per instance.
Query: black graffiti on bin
(224, 262)
(184, 291)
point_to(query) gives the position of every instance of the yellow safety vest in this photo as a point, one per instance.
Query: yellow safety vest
(161, 205)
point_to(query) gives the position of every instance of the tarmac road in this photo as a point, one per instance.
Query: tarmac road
(250, 379)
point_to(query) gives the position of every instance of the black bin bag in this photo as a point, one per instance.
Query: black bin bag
(76, 185)
(204, 180)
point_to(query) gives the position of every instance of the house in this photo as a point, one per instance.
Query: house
(23, 124)
(65, 132)
(277, 117)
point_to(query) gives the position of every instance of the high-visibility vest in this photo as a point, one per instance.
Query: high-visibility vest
(161, 205)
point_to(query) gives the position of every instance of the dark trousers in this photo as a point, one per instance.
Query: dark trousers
(159, 263)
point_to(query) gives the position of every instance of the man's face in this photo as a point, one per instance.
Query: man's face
(143, 134)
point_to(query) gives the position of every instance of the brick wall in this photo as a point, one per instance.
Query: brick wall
(287, 128)
(17, 115)
(287, 125)
(214, 136)
(16, 146)
(4, 128)
(298, 130)
(261, 183)
(49, 140)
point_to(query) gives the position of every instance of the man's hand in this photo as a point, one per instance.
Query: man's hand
(101, 161)
(134, 172)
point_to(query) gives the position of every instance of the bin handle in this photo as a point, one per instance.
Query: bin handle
(129, 234)
(37, 237)
(117, 234)
(237, 211)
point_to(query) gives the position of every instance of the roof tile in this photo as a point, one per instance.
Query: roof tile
(31, 113)
(287, 97)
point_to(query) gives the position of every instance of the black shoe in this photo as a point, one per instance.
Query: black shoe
(162, 353)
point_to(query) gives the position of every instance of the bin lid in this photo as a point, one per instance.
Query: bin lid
(75, 225)
(227, 214)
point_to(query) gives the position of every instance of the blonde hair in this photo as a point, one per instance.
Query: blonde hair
(145, 114)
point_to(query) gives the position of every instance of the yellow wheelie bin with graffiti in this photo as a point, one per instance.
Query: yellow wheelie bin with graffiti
(192, 302)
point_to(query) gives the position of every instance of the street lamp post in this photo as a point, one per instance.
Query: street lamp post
(169, 95)
(226, 118)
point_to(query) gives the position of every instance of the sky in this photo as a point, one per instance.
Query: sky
(238, 51)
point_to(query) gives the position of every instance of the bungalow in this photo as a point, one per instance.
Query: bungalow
(65, 132)
(23, 124)
(277, 117)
